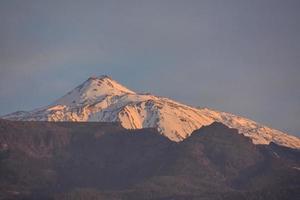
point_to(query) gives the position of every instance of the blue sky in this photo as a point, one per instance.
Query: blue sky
(237, 56)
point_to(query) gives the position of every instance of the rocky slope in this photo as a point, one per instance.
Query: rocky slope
(105, 100)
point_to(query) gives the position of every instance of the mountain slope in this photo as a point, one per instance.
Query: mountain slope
(103, 99)
(67, 160)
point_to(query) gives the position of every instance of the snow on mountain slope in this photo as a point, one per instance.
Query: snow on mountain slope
(103, 99)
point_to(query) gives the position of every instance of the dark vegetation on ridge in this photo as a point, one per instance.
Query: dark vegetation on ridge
(74, 161)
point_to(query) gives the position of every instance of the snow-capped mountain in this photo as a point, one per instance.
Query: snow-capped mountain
(103, 99)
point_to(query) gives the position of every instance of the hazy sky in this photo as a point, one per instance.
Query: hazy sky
(239, 56)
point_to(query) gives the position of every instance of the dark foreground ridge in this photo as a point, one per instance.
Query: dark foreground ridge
(74, 161)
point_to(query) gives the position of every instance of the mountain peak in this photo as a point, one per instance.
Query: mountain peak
(101, 77)
(94, 89)
(100, 98)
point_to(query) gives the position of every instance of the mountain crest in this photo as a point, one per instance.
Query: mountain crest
(92, 90)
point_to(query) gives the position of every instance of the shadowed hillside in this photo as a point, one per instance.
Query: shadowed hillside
(65, 160)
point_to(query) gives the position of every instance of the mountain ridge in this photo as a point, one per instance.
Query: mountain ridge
(105, 100)
(88, 160)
